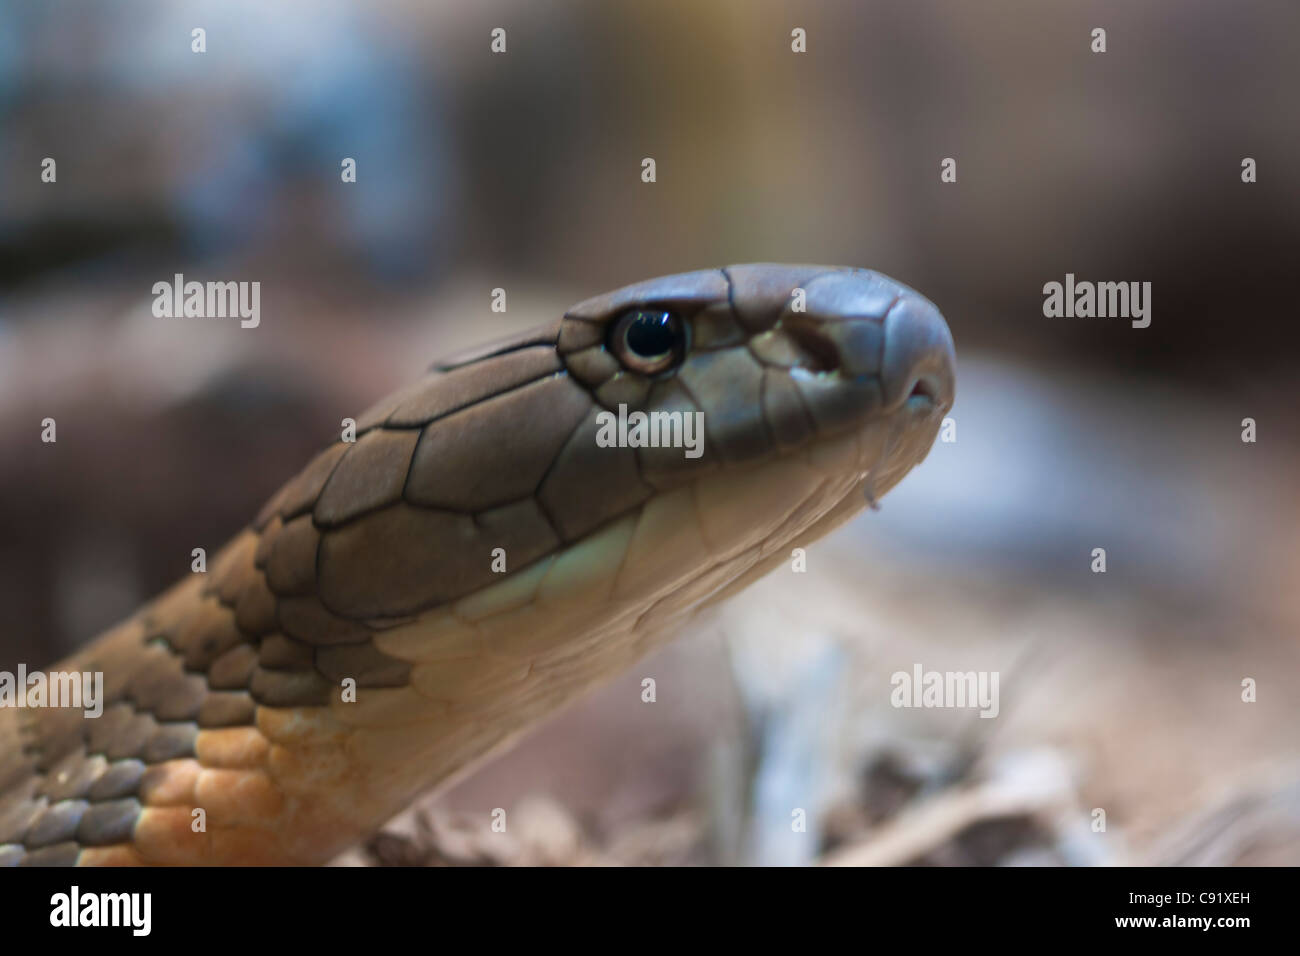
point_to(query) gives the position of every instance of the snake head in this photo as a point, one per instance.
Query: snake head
(773, 359)
(778, 398)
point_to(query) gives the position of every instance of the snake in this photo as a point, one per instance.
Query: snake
(479, 549)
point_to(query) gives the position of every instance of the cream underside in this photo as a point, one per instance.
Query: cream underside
(490, 665)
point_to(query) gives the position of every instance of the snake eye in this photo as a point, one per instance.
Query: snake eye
(648, 340)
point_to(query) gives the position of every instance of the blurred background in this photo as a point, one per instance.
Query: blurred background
(1120, 692)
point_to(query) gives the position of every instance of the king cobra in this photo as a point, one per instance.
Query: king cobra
(421, 594)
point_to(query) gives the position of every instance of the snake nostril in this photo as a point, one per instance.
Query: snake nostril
(818, 353)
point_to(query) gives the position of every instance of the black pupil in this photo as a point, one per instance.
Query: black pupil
(651, 334)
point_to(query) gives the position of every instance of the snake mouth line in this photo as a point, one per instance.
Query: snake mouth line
(926, 390)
